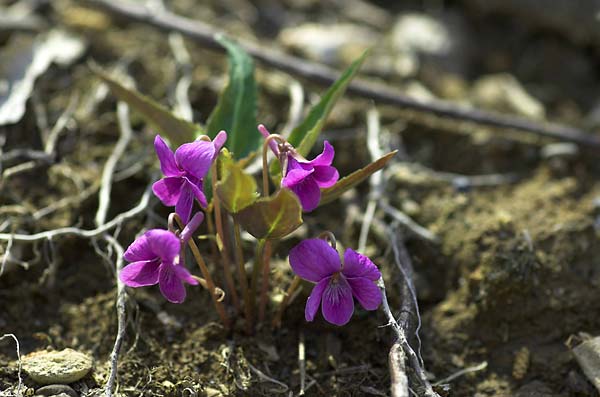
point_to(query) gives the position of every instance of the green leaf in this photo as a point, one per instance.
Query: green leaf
(272, 217)
(331, 193)
(236, 110)
(236, 189)
(177, 130)
(304, 136)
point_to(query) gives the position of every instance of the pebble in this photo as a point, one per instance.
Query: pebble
(561, 149)
(329, 44)
(57, 367)
(502, 92)
(587, 355)
(56, 391)
(421, 33)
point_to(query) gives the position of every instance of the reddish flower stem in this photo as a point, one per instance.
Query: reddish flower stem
(266, 267)
(258, 261)
(209, 281)
(223, 247)
(242, 276)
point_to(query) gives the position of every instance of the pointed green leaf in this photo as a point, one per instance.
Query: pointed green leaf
(176, 129)
(348, 182)
(304, 136)
(272, 217)
(236, 110)
(236, 189)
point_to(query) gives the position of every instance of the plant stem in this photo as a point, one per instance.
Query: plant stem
(242, 275)
(209, 281)
(258, 260)
(210, 226)
(266, 267)
(223, 247)
(286, 299)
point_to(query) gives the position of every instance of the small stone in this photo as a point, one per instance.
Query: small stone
(420, 33)
(61, 367)
(210, 392)
(329, 44)
(587, 355)
(502, 92)
(56, 390)
(565, 150)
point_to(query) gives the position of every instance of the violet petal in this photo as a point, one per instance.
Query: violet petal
(366, 292)
(325, 176)
(184, 275)
(139, 250)
(170, 285)
(358, 265)
(164, 244)
(184, 205)
(314, 300)
(219, 142)
(191, 227)
(140, 274)
(294, 177)
(197, 190)
(337, 304)
(168, 190)
(272, 143)
(308, 193)
(325, 158)
(314, 259)
(168, 166)
(196, 157)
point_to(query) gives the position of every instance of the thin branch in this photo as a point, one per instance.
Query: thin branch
(60, 124)
(376, 180)
(109, 168)
(125, 135)
(408, 223)
(205, 34)
(397, 363)
(6, 256)
(122, 217)
(408, 295)
(26, 154)
(302, 363)
(401, 350)
(295, 112)
(264, 377)
(18, 360)
(182, 105)
(475, 368)
(121, 317)
(413, 359)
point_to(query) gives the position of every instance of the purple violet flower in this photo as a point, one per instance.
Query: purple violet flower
(316, 261)
(306, 178)
(154, 258)
(184, 171)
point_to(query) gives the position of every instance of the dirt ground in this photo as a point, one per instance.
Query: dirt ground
(515, 272)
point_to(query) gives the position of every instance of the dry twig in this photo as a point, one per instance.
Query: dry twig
(140, 208)
(401, 350)
(125, 136)
(20, 385)
(204, 35)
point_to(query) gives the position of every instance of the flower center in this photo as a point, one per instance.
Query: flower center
(335, 278)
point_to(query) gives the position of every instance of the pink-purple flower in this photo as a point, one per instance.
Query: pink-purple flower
(154, 258)
(184, 171)
(336, 283)
(306, 178)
